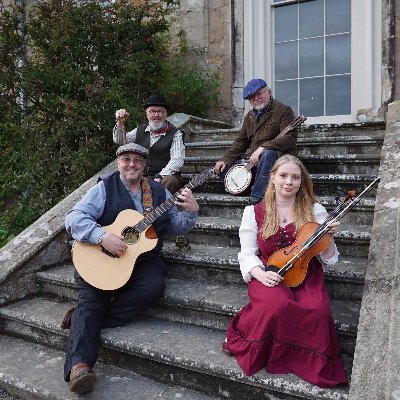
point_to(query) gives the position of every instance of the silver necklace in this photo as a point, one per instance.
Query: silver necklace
(284, 220)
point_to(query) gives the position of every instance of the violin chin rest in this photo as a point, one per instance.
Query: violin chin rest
(273, 268)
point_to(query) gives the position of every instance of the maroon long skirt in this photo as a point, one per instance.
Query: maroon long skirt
(289, 330)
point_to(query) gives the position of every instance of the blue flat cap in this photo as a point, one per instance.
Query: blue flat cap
(134, 148)
(253, 86)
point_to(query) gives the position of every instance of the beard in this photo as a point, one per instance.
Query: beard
(260, 106)
(156, 125)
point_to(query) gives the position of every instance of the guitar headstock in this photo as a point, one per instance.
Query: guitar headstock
(296, 122)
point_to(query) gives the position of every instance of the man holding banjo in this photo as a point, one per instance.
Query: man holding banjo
(266, 134)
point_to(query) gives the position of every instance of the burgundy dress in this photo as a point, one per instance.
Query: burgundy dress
(287, 329)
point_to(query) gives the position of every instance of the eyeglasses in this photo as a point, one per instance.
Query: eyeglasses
(155, 112)
(128, 160)
(257, 94)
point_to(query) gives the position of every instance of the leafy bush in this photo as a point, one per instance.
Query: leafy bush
(63, 74)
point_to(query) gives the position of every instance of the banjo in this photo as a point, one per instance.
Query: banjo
(239, 178)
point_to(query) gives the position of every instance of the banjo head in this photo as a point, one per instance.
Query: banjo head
(238, 179)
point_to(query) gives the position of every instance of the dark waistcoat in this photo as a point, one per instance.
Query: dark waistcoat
(159, 152)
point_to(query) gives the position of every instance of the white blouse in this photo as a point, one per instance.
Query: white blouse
(248, 254)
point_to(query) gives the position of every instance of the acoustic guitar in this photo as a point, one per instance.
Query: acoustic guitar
(239, 178)
(107, 271)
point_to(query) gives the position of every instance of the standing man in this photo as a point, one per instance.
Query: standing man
(164, 141)
(258, 136)
(98, 309)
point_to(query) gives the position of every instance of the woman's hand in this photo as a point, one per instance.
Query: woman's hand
(334, 227)
(267, 278)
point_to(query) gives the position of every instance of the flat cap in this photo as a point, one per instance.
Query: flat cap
(134, 148)
(252, 87)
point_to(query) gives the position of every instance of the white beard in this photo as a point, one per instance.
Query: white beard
(156, 125)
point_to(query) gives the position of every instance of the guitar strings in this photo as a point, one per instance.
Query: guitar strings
(142, 225)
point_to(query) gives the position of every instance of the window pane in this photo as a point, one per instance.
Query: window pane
(338, 95)
(312, 97)
(311, 19)
(287, 93)
(338, 54)
(286, 23)
(338, 16)
(286, 60)
(311, 57)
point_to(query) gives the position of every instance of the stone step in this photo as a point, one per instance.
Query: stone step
(36, 373)
(206, 304)
(324, 184)
(352, 240)
(212, 264)
(167, 351)
(227, 205)
(340, 145)
(307, 146)
(191, 123)
(316, 164)
(372, 131)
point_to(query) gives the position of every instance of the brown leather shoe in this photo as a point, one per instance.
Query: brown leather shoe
(225, 349)
(66, 321)
(81, 379)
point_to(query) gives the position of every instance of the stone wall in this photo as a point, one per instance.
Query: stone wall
(207, 24)
(375, 370)
(397, 50)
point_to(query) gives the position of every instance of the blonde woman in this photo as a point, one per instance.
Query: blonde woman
(282, 329)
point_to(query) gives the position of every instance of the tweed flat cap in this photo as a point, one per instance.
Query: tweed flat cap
(132, 147)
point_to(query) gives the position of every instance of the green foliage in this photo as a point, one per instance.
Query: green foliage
(62, 77)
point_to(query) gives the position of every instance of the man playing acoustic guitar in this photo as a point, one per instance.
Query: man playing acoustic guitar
(258, 136)
(89, 224)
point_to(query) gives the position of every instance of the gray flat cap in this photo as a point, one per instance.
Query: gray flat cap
(132, 147)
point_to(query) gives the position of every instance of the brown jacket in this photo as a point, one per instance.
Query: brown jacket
(254, 135)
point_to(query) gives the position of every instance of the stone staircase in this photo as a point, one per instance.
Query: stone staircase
(174, 350)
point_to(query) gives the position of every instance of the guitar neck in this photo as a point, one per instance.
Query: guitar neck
(285, 131)
(161, 209)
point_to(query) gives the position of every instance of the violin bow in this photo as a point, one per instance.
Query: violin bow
(339, 212)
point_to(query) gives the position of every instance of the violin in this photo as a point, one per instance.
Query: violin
(292, 261)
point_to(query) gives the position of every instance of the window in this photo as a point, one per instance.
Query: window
(322, 57)
(312, 45)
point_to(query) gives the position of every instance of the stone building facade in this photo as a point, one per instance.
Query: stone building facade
(241, 38)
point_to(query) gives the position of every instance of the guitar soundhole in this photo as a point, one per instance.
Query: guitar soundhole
(131, 237)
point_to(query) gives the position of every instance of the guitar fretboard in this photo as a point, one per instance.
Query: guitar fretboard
(157, 212)
(167, 204)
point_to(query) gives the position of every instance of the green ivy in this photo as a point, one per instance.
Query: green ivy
(61, 79)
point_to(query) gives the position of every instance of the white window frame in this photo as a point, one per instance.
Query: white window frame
(365, 52)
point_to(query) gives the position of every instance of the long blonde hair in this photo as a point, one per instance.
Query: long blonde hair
(304, 202)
